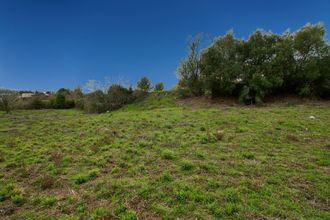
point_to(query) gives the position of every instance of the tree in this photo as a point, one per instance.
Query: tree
(310, 48)
(221, 65)
(144, 84)
(190, 68)
(7, 99)
(159, 87)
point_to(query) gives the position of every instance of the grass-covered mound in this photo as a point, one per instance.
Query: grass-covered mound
(158, 160)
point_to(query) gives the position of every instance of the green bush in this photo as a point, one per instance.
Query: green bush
(96, 102)
(144, 84)
(159, 87)
(119, 96)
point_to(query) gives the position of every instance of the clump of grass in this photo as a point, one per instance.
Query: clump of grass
(47, 182)
(231, 209)
(100, 213)
(143, 144)
(231, 195)
(209, 138)
(83, 178)
(248, 155)
(200, 155)
(168, 154)
(81, 207)
(45, 201)
(166, 177)
(187, 165)
(17, 199)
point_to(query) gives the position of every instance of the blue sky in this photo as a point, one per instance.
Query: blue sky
(48, 44)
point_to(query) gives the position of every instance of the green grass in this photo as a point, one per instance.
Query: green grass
(155, 159)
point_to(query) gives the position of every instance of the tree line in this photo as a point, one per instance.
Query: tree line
(98, 100)
(266, 64)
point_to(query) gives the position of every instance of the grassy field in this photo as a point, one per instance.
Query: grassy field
(158, 160)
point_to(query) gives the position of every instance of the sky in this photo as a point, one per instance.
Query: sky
(50, 44)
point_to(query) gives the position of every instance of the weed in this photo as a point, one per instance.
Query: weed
(168, 154)
(187, 165)
(248, 155)
(17, 199)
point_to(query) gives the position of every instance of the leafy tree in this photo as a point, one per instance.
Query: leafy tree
(221, 66)
(7, 100)
(159, 87)
(310, 48)
(189, 70)
(265, 64)
(144, 84)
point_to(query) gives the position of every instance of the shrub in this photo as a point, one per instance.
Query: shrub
(159, 87)
(144, 84)
(96, 102)
(119, 96)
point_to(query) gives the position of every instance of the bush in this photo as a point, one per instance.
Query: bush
(119, 96)
(144, 84)
(96, 102)
(159, 87)
(168, 154)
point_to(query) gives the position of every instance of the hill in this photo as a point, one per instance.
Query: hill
(157, 159)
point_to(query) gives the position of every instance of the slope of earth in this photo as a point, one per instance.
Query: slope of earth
(157, 160)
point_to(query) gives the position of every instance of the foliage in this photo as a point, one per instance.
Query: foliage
(144, 84)
(189, 69)
(159, 87)
(263, 65)
(96, 102)
(119, 96)
(7, 100)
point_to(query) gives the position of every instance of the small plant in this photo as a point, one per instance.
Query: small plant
(248, 155)
(83, 178)
(231, 209)
(47, 182)
(200, 155)
(168, 154)
(165, 177)
(143, 144)
(81, 207)
(187, 165)
(231, 195)
(100, 213)
(48, 201)
(17, 199)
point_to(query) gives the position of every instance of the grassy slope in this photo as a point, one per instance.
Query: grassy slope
(148, 161)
